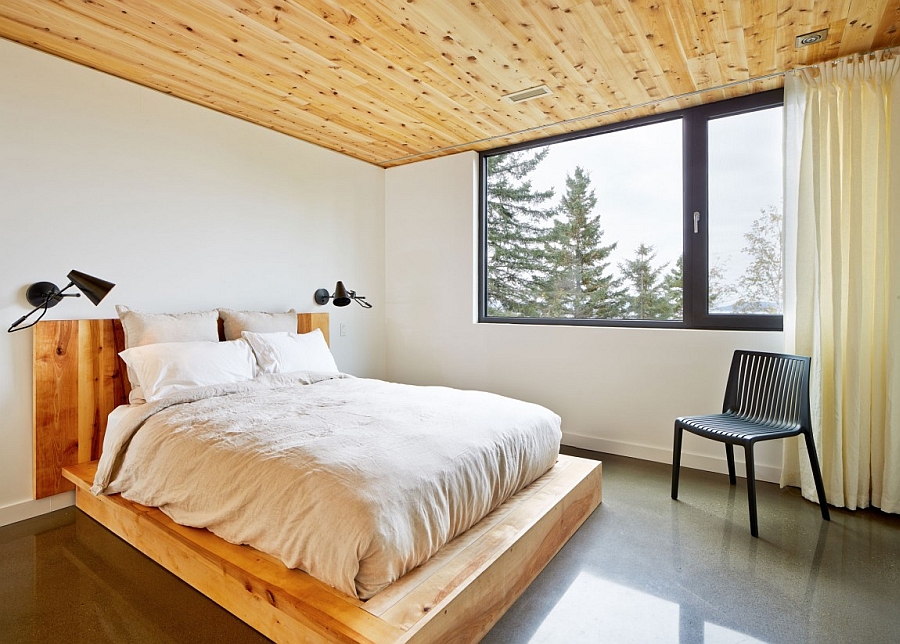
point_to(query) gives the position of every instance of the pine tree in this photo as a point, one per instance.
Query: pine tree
(517, 224)
(648, 298)
(577, 283)
(673, 286)
(761, 284)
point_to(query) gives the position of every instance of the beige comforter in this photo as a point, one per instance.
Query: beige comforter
(355, 481)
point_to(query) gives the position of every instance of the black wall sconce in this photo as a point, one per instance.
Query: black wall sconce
(46, 295)
(341, 297)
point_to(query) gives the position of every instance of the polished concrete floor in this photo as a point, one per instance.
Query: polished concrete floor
(642, 569)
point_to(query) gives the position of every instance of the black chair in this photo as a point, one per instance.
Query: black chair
(767, 397)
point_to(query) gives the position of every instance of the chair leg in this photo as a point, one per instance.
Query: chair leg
(729, 455)
(676, 460)
(751, 489)
(817, 475)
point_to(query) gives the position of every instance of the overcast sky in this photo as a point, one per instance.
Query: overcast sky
(636, 177)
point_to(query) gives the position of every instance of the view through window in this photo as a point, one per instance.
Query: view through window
(601, 228)
(745, 220)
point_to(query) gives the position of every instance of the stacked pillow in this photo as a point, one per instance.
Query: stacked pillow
(236, 322)
(166, 367)
(166, 353)
(142, 329)
(288, 352)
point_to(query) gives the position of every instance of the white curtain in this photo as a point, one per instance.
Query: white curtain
(842, 273)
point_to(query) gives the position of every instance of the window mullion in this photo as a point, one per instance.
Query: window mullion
(696, 269)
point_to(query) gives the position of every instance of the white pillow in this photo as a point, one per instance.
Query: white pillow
(288, 352)
(167, 367)
(152, 328)
(234, 322)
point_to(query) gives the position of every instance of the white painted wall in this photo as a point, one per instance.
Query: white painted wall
(182, 207)
(617, 390)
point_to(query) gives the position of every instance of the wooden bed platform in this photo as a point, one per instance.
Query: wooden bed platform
(457, 596)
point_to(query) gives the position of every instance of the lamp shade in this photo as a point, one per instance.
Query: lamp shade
(340, 296)
(94, 288)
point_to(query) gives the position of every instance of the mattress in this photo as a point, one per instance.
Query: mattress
(356, 481)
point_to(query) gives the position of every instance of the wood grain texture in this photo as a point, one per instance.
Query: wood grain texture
(395, 81)
(78, 380)
(476, 586)
(455, 597)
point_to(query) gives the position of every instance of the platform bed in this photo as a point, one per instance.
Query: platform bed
(456, 596)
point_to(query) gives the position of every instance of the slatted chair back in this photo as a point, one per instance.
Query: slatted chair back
(769, 388)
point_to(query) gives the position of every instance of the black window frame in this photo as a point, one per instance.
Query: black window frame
(695, 153)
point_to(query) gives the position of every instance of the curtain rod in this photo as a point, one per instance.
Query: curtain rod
(616, 110)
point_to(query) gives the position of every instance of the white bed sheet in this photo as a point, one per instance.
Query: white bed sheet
(355, 481)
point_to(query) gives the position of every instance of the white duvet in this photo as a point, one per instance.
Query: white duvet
(355, 481)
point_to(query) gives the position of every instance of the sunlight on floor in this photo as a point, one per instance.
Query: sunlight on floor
(594, 609)
(715, 634)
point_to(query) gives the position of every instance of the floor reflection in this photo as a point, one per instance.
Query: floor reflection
(596, 610)
(715, 634)
(644, 568)
(593, 609)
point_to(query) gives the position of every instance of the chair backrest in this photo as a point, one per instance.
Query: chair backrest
(771, 388)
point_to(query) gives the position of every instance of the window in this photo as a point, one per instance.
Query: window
(667, 221)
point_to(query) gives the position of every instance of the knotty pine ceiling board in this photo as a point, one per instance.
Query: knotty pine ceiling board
(396, 81)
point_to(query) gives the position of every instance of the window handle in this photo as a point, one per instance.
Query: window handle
(696, 221)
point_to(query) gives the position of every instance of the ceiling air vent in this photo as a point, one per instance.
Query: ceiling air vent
(528, 94)
(811, 38)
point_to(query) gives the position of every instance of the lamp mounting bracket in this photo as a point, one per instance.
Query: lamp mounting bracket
(43, 294)
(321, 296)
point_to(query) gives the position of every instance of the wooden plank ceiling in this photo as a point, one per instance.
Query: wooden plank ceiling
(396, 81)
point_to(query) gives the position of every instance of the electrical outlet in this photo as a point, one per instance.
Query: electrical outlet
(342, 329)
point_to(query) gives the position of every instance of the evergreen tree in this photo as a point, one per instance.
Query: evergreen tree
(762, 283)
(517, 224)
(673, 286)
(577, 283)
(648, 298)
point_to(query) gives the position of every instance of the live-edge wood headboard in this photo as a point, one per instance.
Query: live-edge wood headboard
(78, 380)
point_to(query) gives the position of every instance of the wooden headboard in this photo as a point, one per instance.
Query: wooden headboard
(78, 380)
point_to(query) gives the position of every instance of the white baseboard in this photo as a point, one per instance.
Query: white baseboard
(659, 455)
(35, 507)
